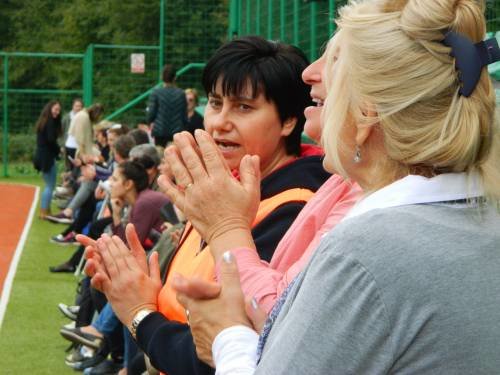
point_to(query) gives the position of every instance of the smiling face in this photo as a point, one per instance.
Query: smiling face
(313, 76)
(55, 110)
(244, 125)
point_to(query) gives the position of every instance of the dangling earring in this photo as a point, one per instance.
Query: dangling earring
(357, 155)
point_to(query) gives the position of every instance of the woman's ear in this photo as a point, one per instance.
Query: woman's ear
(288, 126)
(363, 132)
(128, 184)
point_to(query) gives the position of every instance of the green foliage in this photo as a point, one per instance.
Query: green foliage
(21, 147)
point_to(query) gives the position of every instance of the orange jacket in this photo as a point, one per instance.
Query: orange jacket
(191, 260)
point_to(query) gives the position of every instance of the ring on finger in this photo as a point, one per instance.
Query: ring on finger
(188, 186)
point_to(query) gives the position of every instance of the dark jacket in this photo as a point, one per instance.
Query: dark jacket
(167, 109)
(47, 148)
(169, 344)
(195, 122)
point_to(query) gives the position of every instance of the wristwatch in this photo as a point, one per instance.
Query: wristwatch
(141, 314)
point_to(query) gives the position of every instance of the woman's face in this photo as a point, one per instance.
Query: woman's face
(313, 76)
(77, 106)
(55, 110)
(245, 125)
(347, 134)
(118, 184)
(191, 101)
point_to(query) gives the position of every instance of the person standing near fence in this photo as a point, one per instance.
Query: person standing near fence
(48, 128)
(167, 109)
(70, 144)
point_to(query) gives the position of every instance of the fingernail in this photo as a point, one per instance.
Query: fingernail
(227, 257)
(254, 303)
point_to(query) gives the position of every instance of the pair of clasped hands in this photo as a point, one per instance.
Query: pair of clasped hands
(221, 208)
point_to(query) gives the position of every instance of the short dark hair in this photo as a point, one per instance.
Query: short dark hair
(146, 150)
(272, 68)
(140, 136)
(168, 73)
(136, 172)
(123, 145)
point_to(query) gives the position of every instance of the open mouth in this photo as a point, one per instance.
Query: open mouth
(318, 102)
(226, 145)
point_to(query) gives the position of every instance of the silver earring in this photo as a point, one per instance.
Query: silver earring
(357, 155)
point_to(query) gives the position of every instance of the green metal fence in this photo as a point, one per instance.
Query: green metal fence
(29, 81)
(306, 24)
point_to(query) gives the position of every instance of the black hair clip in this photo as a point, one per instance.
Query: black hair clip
(471, 58)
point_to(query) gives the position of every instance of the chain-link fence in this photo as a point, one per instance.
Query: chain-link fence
(28, 82)
(306, 24)
(119, 75)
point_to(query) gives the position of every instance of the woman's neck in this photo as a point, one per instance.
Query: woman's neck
(275, 163)
(131, 197)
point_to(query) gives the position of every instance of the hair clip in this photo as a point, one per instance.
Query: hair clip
(471, 58)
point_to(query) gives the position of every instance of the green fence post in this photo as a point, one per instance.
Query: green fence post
(296, 22)
(162, 39)
(257, 17)
(314, 11)
(247, 17)
(5, 116)
(331, 17)
(88, 67)
(282, 20)
(269, 19)
(234, 7)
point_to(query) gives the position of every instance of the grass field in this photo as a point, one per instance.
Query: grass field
(29, 337)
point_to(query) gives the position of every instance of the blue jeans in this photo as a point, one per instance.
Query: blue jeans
(107, 321)
(50, 183)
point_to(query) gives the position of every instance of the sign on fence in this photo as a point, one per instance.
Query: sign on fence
(137, 63)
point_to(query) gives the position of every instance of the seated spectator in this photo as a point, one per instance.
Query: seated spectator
(140, 136)
(133, 202)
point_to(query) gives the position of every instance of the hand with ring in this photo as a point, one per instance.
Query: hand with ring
(219, 206)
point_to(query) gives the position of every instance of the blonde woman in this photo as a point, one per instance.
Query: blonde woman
(409, 281)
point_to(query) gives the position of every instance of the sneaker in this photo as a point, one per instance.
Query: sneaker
(86, 362)
(60, 218)
(69, 311)
(107, 367)
(68, 239)
(70, 325)
(63, 267)
(62, 192)
(77, 336)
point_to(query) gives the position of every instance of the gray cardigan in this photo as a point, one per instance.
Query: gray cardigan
(406, 290)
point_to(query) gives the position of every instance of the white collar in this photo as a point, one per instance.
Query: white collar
(415, 189)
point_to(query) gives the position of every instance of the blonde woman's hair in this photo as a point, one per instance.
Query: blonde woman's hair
(194, 92)
(392, 58)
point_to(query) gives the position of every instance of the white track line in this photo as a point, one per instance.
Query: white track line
(7, 286)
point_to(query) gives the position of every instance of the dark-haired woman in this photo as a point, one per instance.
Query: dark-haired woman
(129, 187)
(48, 129)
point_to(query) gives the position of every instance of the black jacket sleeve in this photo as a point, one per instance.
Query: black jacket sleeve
(170, 347)
(168, 344)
